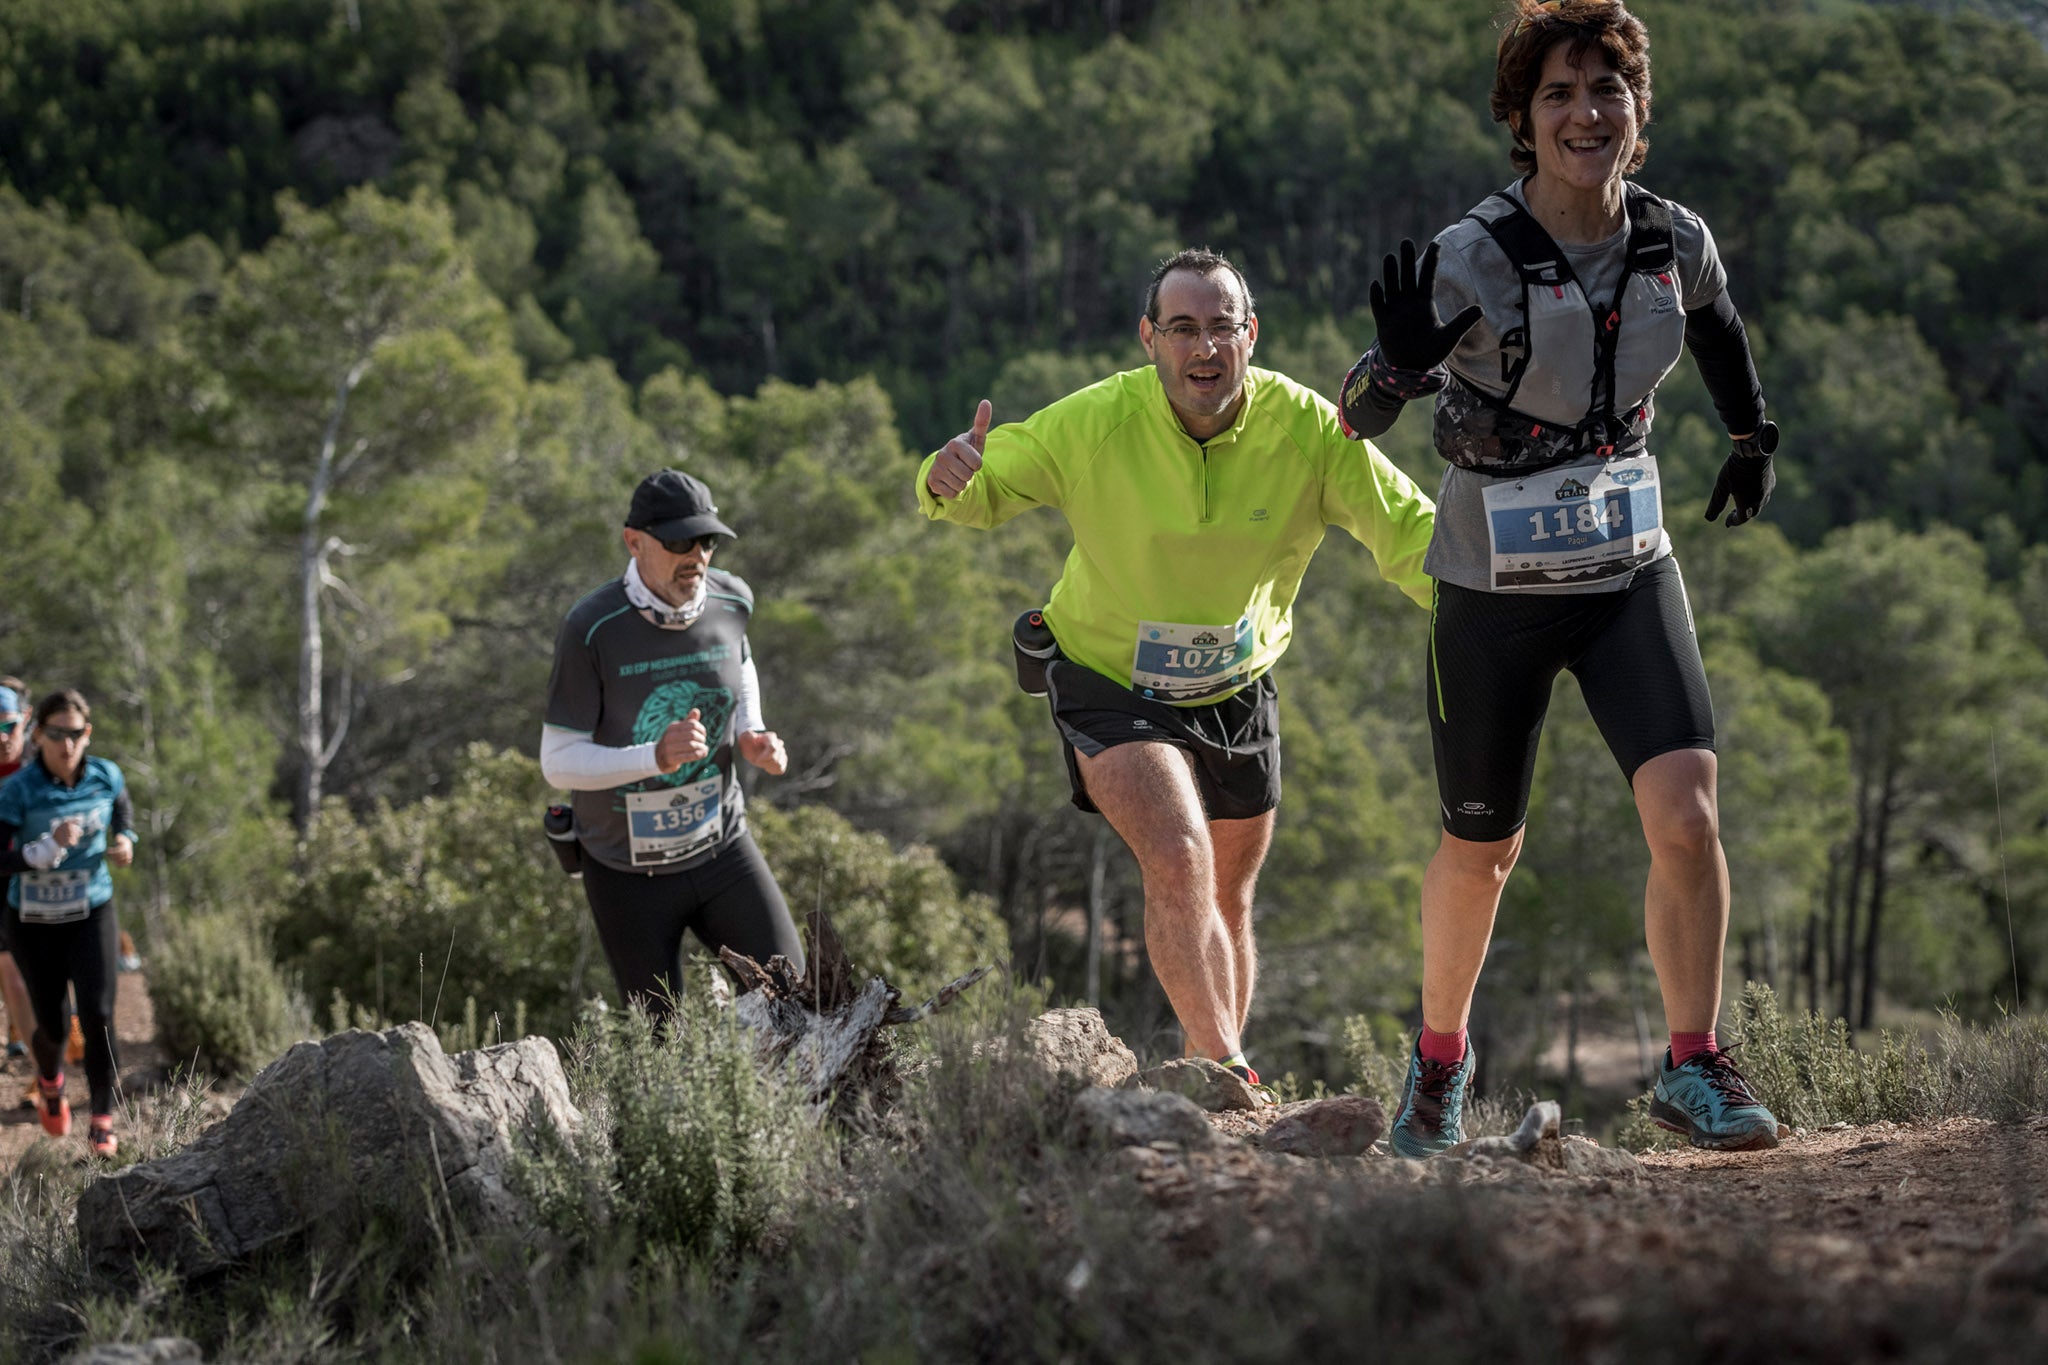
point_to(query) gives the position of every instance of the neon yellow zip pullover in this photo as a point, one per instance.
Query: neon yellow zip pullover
(1166, 530)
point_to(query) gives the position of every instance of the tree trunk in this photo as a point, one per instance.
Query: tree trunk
(1842, 951)
(1646, 1057)
(1098, 873)
(317, 745)
(1887, 802)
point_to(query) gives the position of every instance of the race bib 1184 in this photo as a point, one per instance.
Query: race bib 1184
(1579, 524)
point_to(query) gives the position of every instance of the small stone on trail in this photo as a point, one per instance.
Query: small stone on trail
(1142, 1118)
(1076, 1046)
(1540, 1145)
(1346, 1125)
(1214, 1087)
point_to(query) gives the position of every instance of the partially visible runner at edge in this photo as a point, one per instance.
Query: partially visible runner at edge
(65, 817)
(1197, 488)
(1568, 295)
(14, 727)
(653, 697)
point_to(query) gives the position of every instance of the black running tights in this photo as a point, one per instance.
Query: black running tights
(57, 960)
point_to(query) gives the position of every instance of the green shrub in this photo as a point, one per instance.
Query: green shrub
(407, 912)
(1997, 1071)
(901, 914)
(1376, 1052)
(687, 1147)
(1810, 1074)
(222, 1005)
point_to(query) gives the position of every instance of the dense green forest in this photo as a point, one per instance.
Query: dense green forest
(334, 335)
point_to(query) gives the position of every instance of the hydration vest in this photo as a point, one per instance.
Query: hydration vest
(1578, 381)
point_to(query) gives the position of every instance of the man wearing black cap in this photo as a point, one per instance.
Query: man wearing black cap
(653, 695)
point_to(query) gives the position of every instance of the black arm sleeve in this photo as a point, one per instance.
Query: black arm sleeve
(11, 860)
(1375, 392)
(1720, 348)
(124, 816)
(1367, 410)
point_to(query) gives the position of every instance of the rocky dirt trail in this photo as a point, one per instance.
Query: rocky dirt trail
(1871, 1241)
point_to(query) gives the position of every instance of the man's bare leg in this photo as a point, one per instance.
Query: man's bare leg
(1147, 793)
(1240, 847)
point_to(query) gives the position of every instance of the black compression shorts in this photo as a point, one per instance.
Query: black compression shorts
(1235, 742)
(730, 902)
(1494, 655)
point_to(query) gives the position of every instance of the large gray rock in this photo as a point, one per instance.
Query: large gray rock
(1076, 1046)
(362, 1121)
(1136, 1118)
(1213, 1087)
(1345, 1125)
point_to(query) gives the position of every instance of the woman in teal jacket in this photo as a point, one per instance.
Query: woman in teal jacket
(65, 817)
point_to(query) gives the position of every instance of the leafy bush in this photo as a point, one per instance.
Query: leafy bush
(412, 910)
(1376, 1051)
(901, 913)
(1811, 1074)
(687, 1147)
(1996, 1071)
(222, 1004)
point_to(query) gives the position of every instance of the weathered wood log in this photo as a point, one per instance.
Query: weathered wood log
(820, 1028)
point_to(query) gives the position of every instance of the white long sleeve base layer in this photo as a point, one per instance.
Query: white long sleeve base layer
(578, 763)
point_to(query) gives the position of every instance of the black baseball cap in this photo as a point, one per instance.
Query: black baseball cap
(671, 505)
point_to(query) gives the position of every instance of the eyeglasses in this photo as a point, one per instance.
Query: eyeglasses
(63, 734)
(1187, 334)
(8, 727)
(706, 542)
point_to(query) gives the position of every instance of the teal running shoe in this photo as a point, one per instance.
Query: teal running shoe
(1432, 1106)
(1710, 1102)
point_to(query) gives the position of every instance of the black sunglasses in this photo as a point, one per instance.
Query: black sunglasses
(706, 542)
(62, 733)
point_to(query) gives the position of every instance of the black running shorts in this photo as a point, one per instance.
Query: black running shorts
(1235, 742)
(1494, 655)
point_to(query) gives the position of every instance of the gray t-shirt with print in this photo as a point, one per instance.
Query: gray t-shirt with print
(1471, 268)
(620, 679)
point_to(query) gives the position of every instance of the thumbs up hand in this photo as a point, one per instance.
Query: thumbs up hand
(960, 457)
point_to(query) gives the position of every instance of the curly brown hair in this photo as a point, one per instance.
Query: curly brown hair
(1532, 27)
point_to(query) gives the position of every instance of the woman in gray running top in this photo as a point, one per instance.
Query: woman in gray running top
(1568, 296)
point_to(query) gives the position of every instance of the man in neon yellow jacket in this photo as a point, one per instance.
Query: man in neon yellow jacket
(1197, 490)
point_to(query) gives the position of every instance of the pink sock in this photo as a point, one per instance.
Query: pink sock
(1686, 1046)
(1448, 1048)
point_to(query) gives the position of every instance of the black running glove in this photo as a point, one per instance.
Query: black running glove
(1746, 477)
(1404, 308)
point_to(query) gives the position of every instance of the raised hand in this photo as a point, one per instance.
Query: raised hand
(1746, 476)
(764, 749)
(683, 742)
(1404, 308)
(960, 456)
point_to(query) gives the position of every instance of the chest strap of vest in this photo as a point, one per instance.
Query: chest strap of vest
(1540, 262)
